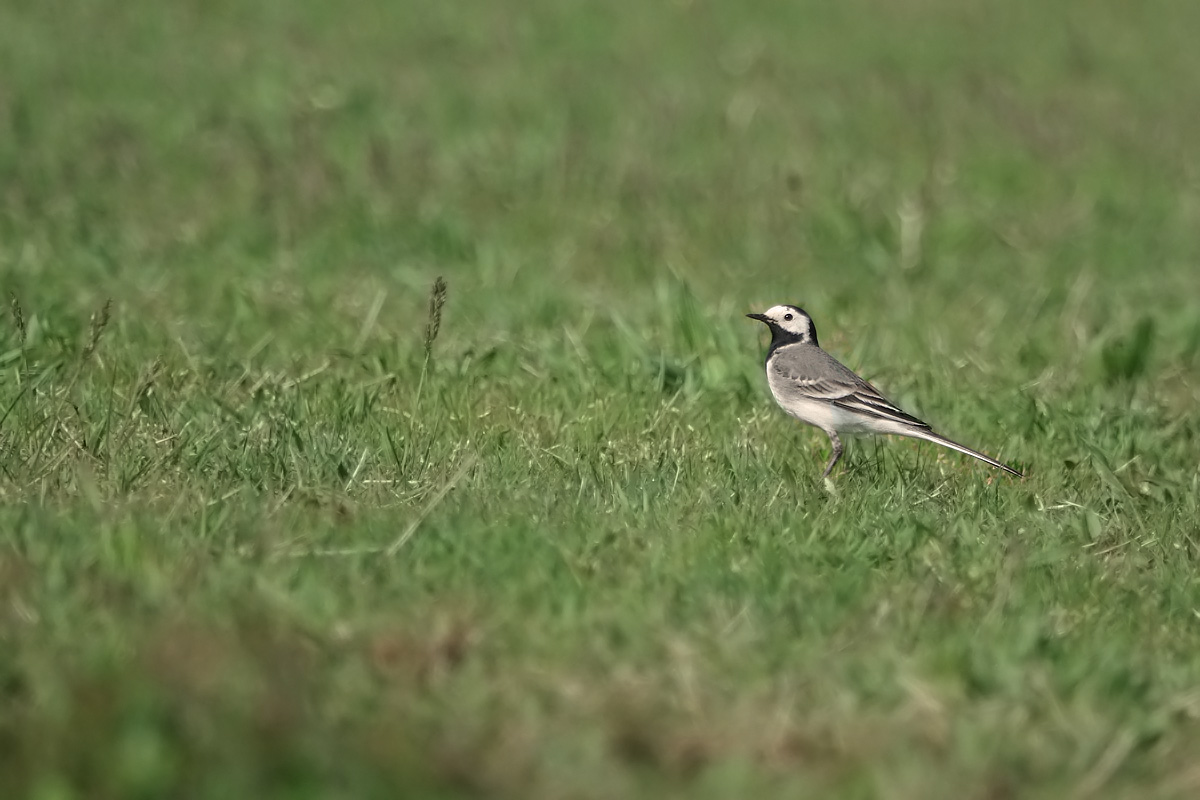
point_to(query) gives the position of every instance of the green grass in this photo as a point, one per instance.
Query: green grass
(254, 544)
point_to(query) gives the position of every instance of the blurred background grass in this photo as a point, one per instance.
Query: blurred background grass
(638, 588)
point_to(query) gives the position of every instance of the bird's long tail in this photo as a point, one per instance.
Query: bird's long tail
(930, 436)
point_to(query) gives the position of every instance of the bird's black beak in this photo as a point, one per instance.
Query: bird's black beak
(759, 317)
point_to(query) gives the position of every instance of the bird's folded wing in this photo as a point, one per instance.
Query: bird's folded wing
(861, 398)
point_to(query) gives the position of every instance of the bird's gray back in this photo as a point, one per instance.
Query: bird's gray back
(806, 362)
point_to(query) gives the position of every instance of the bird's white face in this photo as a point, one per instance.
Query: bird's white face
(788, 324)
(790, 318)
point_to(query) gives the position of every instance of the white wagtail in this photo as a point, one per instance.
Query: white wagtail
(816, 388)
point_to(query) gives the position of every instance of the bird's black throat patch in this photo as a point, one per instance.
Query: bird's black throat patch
(781, 337)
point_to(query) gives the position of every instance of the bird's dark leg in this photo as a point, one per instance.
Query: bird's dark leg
(837, 452)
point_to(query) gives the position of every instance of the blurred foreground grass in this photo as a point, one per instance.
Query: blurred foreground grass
(252, 544)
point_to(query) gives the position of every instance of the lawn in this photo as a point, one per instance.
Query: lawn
(279, 520)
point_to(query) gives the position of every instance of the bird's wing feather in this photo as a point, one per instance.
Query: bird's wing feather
(849, 392)
(874, 404)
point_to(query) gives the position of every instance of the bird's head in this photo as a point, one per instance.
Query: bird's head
(788, 324)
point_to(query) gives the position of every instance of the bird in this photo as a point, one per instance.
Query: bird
(817, 389)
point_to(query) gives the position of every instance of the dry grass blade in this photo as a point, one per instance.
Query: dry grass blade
(1107, 765)
(468, 463)
(466, 466)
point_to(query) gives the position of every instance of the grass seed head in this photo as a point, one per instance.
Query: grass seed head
(99, 322)
(437, 299)
(18, 316)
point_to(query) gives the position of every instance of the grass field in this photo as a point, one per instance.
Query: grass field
(255, 542)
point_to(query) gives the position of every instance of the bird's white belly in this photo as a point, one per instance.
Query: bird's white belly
(825, 415)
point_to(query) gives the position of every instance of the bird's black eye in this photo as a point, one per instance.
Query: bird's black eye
(787, 317)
